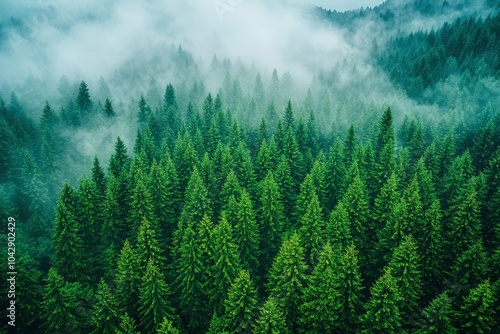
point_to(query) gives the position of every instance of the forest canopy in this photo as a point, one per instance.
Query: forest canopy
(234, 200)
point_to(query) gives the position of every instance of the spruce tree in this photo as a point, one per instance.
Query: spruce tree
(141, 204)
(246, 234)
(67, 243)
(350, 284)
(61, 309)
(105, 319)
(165, 193)
(437, 317)
(287, 277)
(477, 314)
(271, 218)
(148, 247)
(335, 174)
(405, 269)
(154, 304)
(127, 325)
(382, 310)
(109, 111)
(190, 281)
(225, 264)
(272, 319)
(338, 228)
(322, 303)
(311, 230)
(127, 278)
(167, 327)
(240, 306)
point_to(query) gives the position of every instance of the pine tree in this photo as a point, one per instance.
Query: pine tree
(265, 160)
(321, 302)
(338, 228)
(61, 310)
(470, 267)
(226, 264)
(240, 306)
(307, 192)
(127, 278)
(272, 319)
(477, 314)
(164, 188)
(405, 269)
(246, 234)
(154, 296)
(196, 203)
(437, 317)
(105, 319)
(190, 281)
(294, 158)
(465, 225)
(286, 187)
(127, 325)
(271, 218)
(67, 243)
(109, 111)
(350, 284)
(311, 230)
(148, 247)
(335, 174)
(119, 160)
(288, 119)
(382, 310)
(99, 178)
(355, 201)
(167, 327)
(83, 101)
(141, 205)
(287, 277)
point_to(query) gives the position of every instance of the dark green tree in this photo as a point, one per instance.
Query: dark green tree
(67, 242)
(437, 317)
(382, 310)
(311, 231)
(240, 306)
(287, 277)
(61, 309)
(322, 303)
(271, 218)
(190, 281)
(106, 318)
(272, 319)
(405, 269)
(154, 303)
(83, 101)
(226, 264)
(109, 111)
(477, 314)
(246, 234)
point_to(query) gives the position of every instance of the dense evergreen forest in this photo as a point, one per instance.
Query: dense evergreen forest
(256, 207)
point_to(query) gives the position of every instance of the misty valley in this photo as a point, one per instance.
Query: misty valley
(250, 167)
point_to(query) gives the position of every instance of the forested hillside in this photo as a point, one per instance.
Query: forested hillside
(233, 200)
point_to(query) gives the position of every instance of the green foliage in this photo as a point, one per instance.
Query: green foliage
(287, 277)
(61, 309)
(154, 303)
(272, 218)
(321, 302)
(105, 319)
(225, 264)
(477, 313)
(382, 310)
(438, 317)
(272, 319)
(240, 306)
(246, 234)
